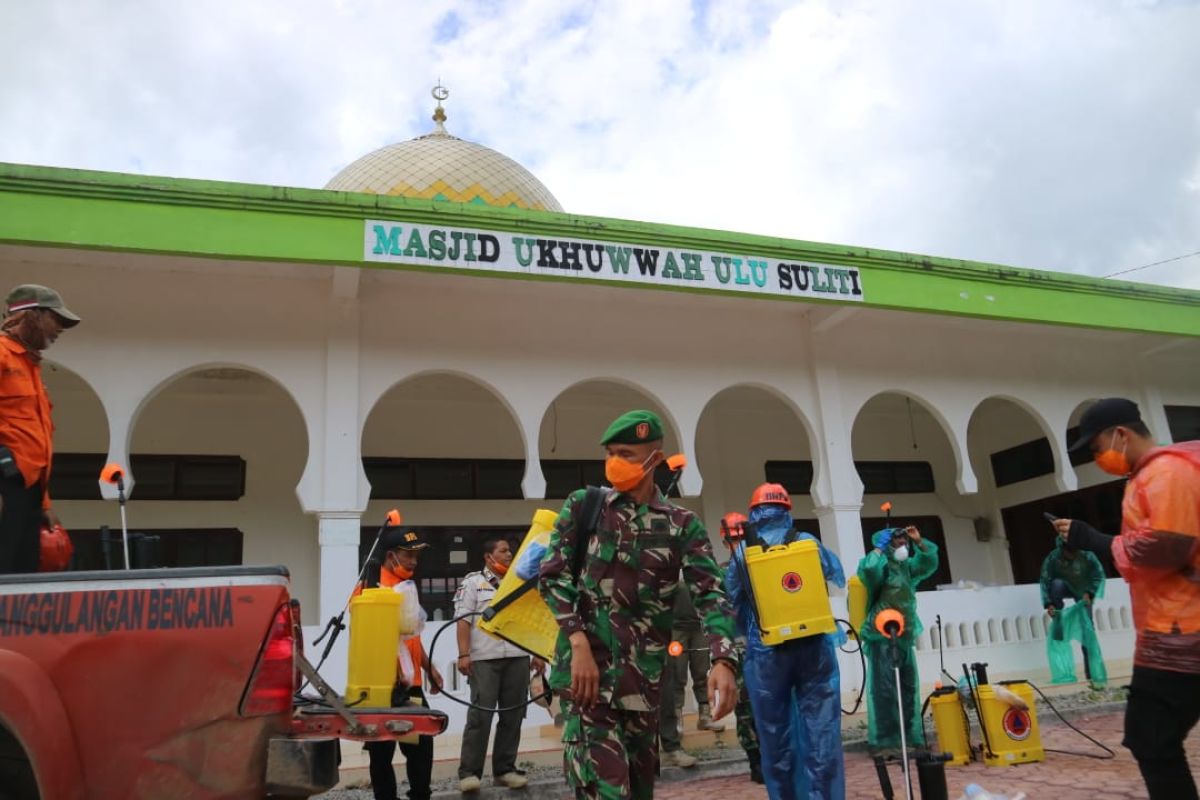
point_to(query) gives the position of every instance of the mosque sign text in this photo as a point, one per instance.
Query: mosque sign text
(520, 254)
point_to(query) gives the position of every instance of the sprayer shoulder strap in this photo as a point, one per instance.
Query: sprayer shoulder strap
(586, 522)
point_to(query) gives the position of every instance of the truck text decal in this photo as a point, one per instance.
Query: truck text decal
(109, 611)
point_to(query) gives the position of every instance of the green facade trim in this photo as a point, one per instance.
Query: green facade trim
(53, 207)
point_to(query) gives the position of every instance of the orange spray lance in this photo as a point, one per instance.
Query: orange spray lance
(114, 474)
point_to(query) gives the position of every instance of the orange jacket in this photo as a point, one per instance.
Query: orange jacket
(1158, 553)
(25, 425)
(416, 650)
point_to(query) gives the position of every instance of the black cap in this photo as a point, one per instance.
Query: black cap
(405, 540)
(1102, 415)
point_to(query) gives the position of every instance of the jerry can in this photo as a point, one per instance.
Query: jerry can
(374, 640)
(517, 613)
(856, 603)
(950, 723)
(1012, 733)
(789, 591)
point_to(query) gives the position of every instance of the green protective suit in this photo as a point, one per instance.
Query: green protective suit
(1083, 574)
(893, 584)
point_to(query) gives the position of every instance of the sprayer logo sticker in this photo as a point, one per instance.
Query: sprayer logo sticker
(792, 582)
(1017, 724)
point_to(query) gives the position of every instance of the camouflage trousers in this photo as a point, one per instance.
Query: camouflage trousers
(747, 734)
(609, 754)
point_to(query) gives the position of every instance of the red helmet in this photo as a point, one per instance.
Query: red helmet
(771, 493)
(733, 527)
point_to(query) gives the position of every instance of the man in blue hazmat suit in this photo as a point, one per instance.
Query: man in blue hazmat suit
(794, 687)
(900, 560)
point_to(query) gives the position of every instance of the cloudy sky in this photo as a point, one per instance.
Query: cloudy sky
(1058, 135)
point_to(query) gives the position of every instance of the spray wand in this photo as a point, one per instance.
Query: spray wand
(337, 624)
(114, 473)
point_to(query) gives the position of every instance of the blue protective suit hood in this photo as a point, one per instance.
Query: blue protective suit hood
(772, 522)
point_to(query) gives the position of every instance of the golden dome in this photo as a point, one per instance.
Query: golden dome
(438, 166)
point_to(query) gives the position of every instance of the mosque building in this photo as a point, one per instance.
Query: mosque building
(433, 332)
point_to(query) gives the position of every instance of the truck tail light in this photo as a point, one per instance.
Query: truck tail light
(273, 681)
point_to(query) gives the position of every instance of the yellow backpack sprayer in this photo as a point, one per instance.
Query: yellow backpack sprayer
(785, 581)
(517, 614)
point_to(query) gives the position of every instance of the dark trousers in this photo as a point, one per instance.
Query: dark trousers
(495, 683)
(1163, 707)
(694, 659)
(20, 525)
(1059, 592)
(668, 719)
(418, 758)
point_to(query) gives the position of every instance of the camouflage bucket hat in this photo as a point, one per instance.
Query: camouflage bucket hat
(31, 295)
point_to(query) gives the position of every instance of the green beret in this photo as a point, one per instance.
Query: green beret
(634, 427)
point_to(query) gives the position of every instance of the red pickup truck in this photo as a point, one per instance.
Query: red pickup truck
(168, 683)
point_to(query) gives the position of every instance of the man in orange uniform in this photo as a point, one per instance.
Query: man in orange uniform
(1158, 553)
(34, 316)
(402, 554)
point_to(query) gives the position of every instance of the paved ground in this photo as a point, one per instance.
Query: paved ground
(1059, 777)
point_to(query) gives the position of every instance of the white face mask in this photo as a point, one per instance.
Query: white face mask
(900, 553)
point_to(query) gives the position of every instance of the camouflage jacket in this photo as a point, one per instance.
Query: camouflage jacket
(625, 597)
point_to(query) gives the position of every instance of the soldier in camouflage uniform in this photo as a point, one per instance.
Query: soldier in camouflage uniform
(733, 531)
(615, 621)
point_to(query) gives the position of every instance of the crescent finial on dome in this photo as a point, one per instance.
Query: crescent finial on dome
(440, 93)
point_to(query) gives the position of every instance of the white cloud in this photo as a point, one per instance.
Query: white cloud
(1053, 135)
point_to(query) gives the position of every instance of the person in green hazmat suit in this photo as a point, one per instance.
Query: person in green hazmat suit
(1074, 574)
(900, 560)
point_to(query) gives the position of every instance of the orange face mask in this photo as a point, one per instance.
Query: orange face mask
(397, 569)
(498, 568)
(624, 475)
(1112, 462)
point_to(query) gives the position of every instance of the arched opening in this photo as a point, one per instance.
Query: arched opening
(1011, 454)
(904, 456)
(80, 450)
(569, 438)
(747, 435)
(446, 450)
(216, 453)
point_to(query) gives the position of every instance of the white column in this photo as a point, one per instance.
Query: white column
(334, 486)
(1154, 412)
(844, 521)
(837, 489)
(120, 421)
(338, 535)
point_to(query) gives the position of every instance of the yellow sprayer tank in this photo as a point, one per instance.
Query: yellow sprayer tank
(951, 724)
(1012, 733)
(789, 591)
(856, 602)
(526, 621)
(374, 641)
